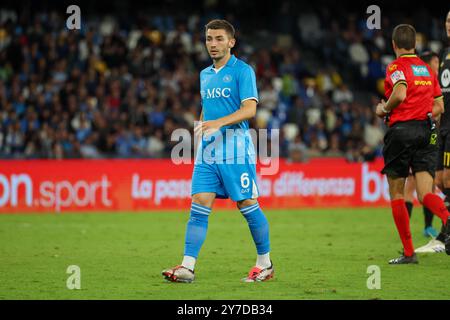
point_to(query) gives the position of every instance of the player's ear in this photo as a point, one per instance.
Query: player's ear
(232, 42)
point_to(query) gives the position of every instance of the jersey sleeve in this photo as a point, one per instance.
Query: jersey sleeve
(247, 85)
(437, 93)
(395, 75)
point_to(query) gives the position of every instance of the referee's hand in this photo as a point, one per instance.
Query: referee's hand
(380, 109)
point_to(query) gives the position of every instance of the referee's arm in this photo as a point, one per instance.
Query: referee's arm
(438, 106)
(398, 96)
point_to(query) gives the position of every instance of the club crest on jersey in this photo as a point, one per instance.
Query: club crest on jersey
(227, 78)
(445, 78)
(420, 71)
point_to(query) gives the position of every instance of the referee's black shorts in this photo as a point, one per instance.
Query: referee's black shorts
(410, 144)
(444, 150)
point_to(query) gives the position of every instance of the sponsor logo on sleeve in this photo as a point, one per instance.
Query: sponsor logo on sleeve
(397, 76)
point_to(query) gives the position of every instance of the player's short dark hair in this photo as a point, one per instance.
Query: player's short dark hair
(404, 36)
(217, 24)
(428, 55)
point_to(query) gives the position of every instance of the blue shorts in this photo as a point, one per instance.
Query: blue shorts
(236, 181)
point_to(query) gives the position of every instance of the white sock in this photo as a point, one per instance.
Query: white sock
(188, 262)
(263, 261)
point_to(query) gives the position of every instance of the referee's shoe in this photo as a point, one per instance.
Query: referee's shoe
(404, 260)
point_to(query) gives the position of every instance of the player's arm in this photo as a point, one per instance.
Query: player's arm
(246, 111)
(198, 125)
(397, 97)
(201, 103)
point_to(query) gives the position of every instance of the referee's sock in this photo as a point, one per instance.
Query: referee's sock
(409, 207)
(401, 219)
(436, 206)
(259, 228)
(196, 229)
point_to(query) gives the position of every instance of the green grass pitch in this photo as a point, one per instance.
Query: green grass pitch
(317, 254)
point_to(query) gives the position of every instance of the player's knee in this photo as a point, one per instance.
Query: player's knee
(202, 200)
(245, 203)
(396, 193)
(409, 197)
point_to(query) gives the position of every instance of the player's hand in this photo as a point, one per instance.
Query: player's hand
(208, 127)
(198, 128)
(379, 111)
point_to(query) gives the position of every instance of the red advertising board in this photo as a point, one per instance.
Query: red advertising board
(131, 185)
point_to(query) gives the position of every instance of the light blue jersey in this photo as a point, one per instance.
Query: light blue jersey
(223, 92)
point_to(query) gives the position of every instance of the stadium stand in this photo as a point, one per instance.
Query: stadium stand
(118, 87)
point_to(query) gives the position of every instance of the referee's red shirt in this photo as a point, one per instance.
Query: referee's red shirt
(422, 88)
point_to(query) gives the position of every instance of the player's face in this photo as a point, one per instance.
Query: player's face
(218, 43)
(447, 25)
(434, 64)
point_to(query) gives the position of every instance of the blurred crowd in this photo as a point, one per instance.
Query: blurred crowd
(118, 89)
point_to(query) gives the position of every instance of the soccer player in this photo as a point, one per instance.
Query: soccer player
(414, 97)
(436, 244)
(432, 59)
(225, 168)
(443, 173)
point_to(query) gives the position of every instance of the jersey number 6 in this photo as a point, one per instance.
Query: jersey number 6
(245, 181)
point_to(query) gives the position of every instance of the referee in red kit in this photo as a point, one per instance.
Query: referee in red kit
(414, 98)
